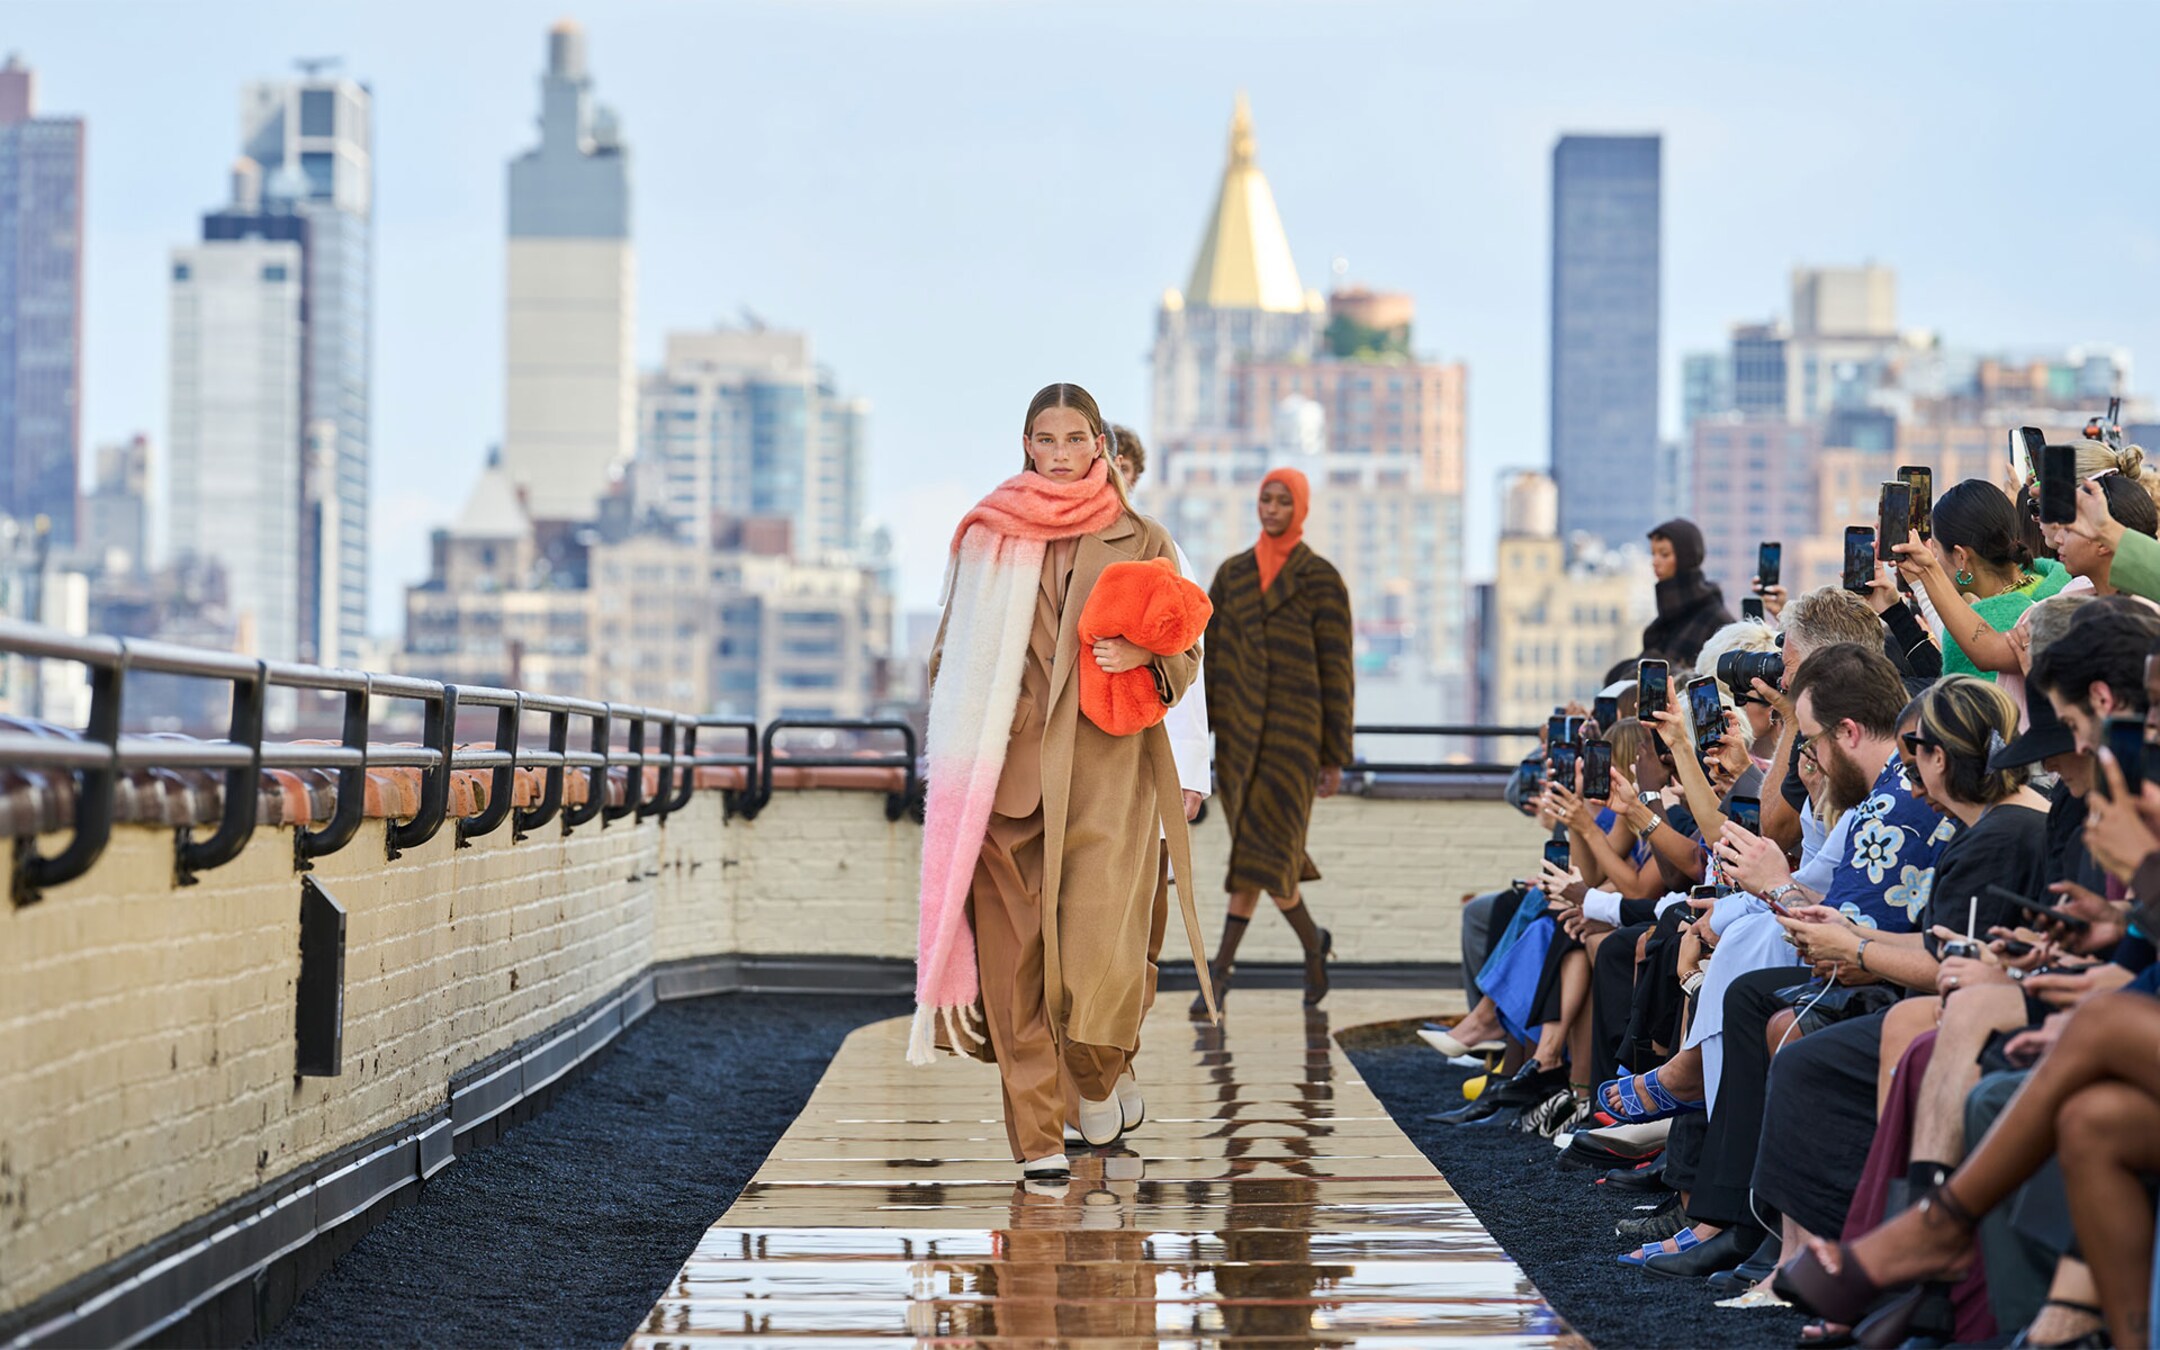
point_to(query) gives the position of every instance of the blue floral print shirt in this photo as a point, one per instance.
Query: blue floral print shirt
(1889, 866)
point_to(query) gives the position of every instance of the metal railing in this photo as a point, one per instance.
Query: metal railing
(1440, 768)
(101, 754)
(619, 736)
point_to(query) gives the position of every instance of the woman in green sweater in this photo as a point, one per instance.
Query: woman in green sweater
(1978, 574)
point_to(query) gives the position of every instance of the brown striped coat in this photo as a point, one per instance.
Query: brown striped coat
(1280, 689)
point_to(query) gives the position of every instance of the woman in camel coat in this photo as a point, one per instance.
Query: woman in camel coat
(1059, 889)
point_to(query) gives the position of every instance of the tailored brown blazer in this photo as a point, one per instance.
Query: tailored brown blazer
(1280, 695)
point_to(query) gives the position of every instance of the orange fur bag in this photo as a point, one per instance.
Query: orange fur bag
(1150, 605)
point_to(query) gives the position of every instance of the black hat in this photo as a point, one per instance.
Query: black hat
(2044, 735)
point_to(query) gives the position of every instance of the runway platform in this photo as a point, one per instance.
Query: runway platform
(1267, 1200)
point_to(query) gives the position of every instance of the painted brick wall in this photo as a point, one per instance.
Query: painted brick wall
(146, 1030)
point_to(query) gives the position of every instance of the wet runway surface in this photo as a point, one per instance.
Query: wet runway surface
(1268, 1199)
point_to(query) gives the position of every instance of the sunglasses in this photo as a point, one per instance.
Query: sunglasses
(1914, 740)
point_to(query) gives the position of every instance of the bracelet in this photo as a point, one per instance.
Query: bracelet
(1860, 956)
(1778, 893)
(1692, 982)
(1652, 828)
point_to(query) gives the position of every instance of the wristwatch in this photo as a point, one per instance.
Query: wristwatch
(1777, 894)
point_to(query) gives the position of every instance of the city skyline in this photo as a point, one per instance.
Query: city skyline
(951, 276)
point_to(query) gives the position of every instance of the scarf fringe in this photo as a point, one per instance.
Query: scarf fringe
(965, 1031)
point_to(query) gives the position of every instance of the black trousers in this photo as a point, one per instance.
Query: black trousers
(1726, 1169)
(1819, 1122)
(1612, 1001)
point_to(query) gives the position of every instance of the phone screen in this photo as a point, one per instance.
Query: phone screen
(1751, 608)
(1859, 557)
(2025, 446)
(1563, 757)
(2126, 741)
(1597, 769)
(1769, 559)
(1707, 712)
(1605, 711)
(2038, 909)
(1922, 482)
(1556, 853)
(1746, 812)
(1555, 730)
(1893, 518)
(2058, 484)
(1651, 691)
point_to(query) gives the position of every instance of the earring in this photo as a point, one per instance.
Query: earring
(1964, 580)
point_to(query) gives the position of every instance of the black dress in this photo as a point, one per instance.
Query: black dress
(1819, 1119)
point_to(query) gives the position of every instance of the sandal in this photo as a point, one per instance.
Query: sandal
(2093, 1336)
(1821, 1335)
(1663, 1104)
(1672, 1246)
(1851, 1297)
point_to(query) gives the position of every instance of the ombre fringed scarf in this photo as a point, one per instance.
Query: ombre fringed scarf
(991, 581)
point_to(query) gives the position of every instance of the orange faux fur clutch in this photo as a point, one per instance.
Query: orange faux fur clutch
(1149, 604)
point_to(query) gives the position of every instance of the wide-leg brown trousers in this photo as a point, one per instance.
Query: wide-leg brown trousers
(1005, 907)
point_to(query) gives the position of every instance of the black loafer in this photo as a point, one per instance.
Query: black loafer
(1726, 1251)
(1641, 1180)
(1529, 1086)
(1752, 1271)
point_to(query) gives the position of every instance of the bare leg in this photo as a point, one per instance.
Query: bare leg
(1480, 1024)
(2110, 1136)
(1970, 1016)
(2109, 1038)
(1905, 1023)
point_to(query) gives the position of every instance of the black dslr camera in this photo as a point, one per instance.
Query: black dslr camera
(1738, 672)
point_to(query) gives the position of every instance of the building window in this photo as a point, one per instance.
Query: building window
(273, 272)
(318, 112)
(319, 167)
(180, 272)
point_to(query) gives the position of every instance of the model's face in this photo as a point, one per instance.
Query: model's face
(1061, 445)
(1662, 562)
(1277, 508)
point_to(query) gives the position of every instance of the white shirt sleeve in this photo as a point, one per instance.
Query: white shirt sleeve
(1602, 906)
(1187, 723)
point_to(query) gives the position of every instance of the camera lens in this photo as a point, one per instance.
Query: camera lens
(1738, 671)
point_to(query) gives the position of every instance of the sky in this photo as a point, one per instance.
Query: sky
(964, 201)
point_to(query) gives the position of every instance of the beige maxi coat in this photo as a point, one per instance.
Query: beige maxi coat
(1107, 802)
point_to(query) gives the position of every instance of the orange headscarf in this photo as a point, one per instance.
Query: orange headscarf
(1274, 550)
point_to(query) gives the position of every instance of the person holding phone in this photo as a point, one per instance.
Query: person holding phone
(1689, 607)
(2088, 563)
(1977, 550)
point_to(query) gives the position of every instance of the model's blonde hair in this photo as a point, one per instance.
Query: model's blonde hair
(1080, 401)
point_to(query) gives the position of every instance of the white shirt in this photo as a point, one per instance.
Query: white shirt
(1187, 722)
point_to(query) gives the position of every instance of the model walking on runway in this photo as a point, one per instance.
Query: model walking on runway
(1280, 687)
(1051, 782)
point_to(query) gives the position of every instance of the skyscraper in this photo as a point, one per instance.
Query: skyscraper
(742, 422)
(41, 234)
(310, 144)
(1605, 333)
(232, 484)
(571, 383)
(1251, 371)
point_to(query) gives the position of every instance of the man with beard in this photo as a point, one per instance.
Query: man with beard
(1847, 700)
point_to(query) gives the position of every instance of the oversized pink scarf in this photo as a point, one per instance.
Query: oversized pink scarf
(994, 573)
